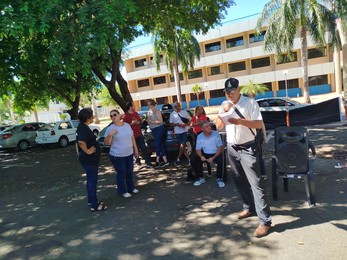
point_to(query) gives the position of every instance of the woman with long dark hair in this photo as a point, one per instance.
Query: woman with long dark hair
(89, 157)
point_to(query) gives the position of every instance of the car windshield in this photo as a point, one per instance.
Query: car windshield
(75, 123)
(47, 127)
(10, 128)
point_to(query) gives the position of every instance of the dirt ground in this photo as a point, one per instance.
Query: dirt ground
(44, 213)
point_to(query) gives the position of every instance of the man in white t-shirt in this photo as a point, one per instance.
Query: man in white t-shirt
(177, 118)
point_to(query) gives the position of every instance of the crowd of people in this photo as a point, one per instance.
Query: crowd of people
(240, 117)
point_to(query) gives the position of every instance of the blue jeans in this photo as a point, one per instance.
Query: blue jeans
(158, 134)
(92, 179)
(124, 168)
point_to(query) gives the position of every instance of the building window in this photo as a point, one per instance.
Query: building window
(237, 66)
(216, 70)
(195, 74)
(152, 60)
(262, 62)
(194, 97)
(285, 59)
(172, 79)
(140, 63)
(234, 42)
(292, 83)
(144, 102)
(316, 53)
(318, 80)
(215, 46)
(217, 93)
(143, 83)
(174, 98)
(159, 80)
(160, 100)
(269, 86)
(257, 37)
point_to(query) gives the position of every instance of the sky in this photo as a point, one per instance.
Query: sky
(242, 9)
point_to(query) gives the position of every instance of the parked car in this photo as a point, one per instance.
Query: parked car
(3, 127)
(278, 104)
(171, 143)
(100, 138)
(95, 129)
(21, 136)
(61, 132)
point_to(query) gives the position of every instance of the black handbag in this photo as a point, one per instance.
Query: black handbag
(184, 119)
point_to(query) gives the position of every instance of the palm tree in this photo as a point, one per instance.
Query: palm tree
(177, 47)
(252, 89)
(340, 9)
(285, 17)
(197, 89)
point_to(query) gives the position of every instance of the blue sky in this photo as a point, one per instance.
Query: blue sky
(243, 8)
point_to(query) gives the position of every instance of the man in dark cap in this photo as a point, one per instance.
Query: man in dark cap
(133, 119)
(242, 121)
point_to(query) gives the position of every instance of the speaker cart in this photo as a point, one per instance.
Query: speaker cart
(292, 160)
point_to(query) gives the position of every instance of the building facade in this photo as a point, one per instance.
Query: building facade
(233, 50)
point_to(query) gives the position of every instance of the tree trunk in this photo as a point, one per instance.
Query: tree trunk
(304, 63)
(177, 80)
(36, 115)
(73, 112)
(343, 38)
(10, 109)
(95, 108)
(116, 76)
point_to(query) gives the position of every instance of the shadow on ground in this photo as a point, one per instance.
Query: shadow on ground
(44, 213)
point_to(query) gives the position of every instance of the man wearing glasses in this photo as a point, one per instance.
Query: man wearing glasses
(209, 148)
(241, 117)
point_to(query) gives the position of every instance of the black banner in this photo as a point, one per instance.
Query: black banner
(315, 114)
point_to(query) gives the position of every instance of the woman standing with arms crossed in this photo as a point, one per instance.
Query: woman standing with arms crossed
(156, 124)
(89, 157)
(121, 138)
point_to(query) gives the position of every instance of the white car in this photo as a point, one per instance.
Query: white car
(95, 129)
(61, 132)
(278, 104)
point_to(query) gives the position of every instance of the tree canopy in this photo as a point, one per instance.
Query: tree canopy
(59, 48)
(285, 17)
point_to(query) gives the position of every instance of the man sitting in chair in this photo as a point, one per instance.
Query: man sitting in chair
(209, 148)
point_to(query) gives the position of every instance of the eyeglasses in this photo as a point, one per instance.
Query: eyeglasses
(113, 115)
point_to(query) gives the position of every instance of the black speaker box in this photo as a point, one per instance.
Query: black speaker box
(291, 149)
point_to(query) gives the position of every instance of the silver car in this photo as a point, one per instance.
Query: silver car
(278, 104)
(21, 136)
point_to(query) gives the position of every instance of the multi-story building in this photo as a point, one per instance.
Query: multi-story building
(233, 50)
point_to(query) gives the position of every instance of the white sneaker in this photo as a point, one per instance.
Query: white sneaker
(220, 183)
(135, 191)
(338, 166)
(126, 195)
(199, 181)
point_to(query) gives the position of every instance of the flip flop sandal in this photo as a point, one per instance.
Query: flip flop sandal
(101, 206)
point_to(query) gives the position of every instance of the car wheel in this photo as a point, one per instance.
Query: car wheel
(95, 132)
(63, 141)
(189, 147)
(23, 145)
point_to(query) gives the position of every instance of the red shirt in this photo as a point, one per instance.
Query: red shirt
(128, 118)
(197, 129)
